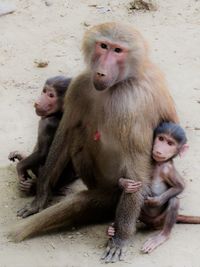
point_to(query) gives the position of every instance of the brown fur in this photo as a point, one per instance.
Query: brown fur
(125, 115)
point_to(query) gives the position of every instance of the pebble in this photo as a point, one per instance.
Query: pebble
(48, 3)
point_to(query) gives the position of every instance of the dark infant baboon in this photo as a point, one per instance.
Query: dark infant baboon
(49, 107)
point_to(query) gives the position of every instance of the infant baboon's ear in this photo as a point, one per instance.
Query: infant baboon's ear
(183, 150)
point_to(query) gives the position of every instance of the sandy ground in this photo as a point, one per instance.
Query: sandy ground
(53, 32)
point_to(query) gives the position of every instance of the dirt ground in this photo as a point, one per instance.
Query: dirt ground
(52, 31)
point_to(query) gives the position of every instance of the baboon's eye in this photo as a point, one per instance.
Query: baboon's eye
(51, 95)
(118, 50)
(170, 143)
(104, 46)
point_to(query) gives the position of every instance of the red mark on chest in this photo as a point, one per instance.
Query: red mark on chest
(97, 136)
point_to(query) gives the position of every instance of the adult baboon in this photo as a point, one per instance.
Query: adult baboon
(107, 127)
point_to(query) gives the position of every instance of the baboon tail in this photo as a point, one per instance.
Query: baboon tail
(56, 216)
(188, 219)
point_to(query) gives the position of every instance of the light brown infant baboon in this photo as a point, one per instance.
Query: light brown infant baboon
(110, 112)
(160, 209)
